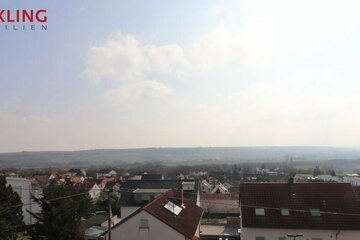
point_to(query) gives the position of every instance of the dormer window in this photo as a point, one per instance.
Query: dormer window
(285, 212)
(259, 211)
(315, 212)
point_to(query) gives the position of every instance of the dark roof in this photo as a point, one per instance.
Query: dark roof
(218, 174)
(327, 197)
(185, 223)
(151, 177)
(127, 197)
(104, 171)
(210, 196)
(95, 220)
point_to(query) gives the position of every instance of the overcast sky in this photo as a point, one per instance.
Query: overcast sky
(126, 74)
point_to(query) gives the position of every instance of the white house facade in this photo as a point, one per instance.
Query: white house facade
(23, 187)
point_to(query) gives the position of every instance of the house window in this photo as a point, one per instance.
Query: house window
(144, 223)
(285, 212)
(259, 238)
(315, 212)
(259, 212)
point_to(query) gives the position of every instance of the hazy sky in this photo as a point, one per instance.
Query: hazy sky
(119, 74)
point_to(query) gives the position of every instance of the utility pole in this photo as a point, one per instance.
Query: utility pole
(108, 191)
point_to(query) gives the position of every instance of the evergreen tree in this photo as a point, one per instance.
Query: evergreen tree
(11, 218)
(62, 208)
(317, 171)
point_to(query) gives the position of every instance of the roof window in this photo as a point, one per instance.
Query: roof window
(172, 207)
(259, 212)
(315, 212)
(285, 212)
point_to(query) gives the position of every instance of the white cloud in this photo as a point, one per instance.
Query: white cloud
(123, 59)
(130, 93)
(120, 58)
(217, 49)
(266, 73)
(167, 59)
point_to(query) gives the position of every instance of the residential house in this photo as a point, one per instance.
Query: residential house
(40, 180)
(24, 189)
(180, 176)
(196, 175)
(137, 193)
(212, 180)
(75, 172)
(220, 204)
(169, 216)
(93, 186)
(353, 180)
(319, 211)
(253, 177)
(328, 178)
(227, 185)
(206, 187)
(105, 173)
(220, 189)
(95, 192)
(54, 176)
(303, 178)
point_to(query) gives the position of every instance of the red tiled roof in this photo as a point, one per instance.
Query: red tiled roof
(42, 180)
(357, 191)
(328, 197)
(185, 223)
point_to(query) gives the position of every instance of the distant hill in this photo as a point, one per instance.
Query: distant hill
(174, 155)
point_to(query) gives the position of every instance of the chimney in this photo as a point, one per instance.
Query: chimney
(182, 198)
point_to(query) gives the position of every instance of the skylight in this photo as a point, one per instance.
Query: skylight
(315, 212)
(172, 207)
(285, 212)
(259, 212)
